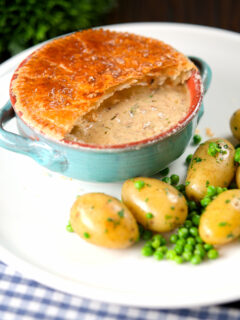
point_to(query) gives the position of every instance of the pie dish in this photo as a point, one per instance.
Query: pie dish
(71, 76)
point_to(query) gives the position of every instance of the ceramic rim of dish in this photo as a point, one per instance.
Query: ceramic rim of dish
(195, 87)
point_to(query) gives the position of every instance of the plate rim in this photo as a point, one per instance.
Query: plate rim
(56, 282)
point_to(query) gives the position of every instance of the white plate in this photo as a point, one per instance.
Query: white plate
(35, 204)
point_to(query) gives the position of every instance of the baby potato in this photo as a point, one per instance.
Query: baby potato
(235, 124)
(104, 221)
(220, 222)
(155, 204)
(212, 165)
(238, 177)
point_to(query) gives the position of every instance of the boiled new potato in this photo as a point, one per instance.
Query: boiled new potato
(238, 177)
(235, 124)
(103, 220)
(215, 169)
(220, 222)
(155, 204)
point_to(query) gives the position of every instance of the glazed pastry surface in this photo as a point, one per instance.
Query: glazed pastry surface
(70, 76)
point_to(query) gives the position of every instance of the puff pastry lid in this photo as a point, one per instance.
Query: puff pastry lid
(70, 76)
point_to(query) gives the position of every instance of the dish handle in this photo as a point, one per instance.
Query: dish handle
(205, 71)
(38, 150)
(206, 75)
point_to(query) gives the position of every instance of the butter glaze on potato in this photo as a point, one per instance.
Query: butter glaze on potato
(206, 169)
(220, 222)
(104, 221)
(157, 205)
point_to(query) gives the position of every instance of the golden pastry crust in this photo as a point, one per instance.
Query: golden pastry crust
(72, 75)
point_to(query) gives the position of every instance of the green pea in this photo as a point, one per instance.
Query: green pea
(199, 246)
(212, 254)
(196, 219)
(157, 237)
(191, 241)
(173, 238)
(196, 139)
(199, 239)
(189, 158)
(237, 155)
(183, 232)
(193, 231)
(192, 213)
(167, 180)
(69, 227)
(207, 246)
(205, 201)
(148, 243)
(187, 255)
(181, 242)
(156, 243)
(188, 247)
(171, 254)
(211, 191)
(178, 259)
(178, 249)
(192, 205)
(200, 252)
(158, 255)
(219, 190)
(187, 223)
(196, 259)
(162, 249)
(164, 172)
(174, 179)
(147, 251)
(180, 187)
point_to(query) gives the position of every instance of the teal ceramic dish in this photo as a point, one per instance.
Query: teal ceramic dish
(111, 163)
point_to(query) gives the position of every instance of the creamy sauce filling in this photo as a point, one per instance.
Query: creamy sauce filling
(133, 114)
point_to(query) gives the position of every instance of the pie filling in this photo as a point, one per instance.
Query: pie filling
(133, 114)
